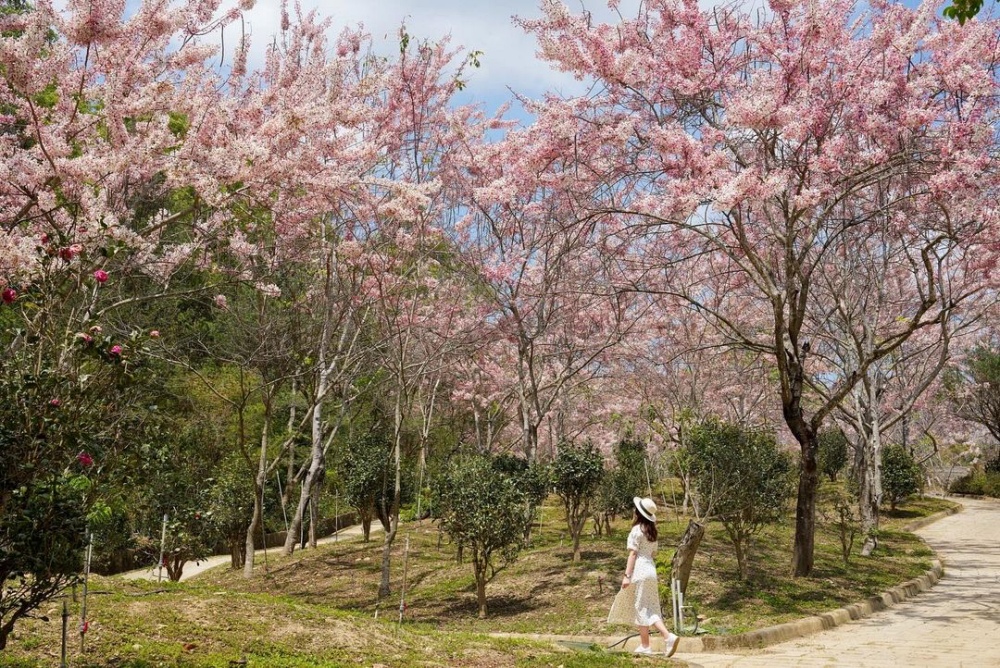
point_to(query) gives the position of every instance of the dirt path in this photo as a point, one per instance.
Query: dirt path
(955, 625)
(194, 568)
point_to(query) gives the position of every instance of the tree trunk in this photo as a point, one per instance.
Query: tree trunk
(805, 511)
(314, 510)
(870, 467)
(683, 561)
(175, 567)
(237, 551)
(256, 522)
(316, 463)
(805, 503)
(393, 514)
(741, 558)
(480, 586)
(384, 588)
(5, 631)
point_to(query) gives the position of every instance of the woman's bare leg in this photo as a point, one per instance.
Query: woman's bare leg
(644, 636)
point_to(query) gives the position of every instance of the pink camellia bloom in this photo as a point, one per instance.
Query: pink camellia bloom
(85, 459)
(9, 295)
(100, 276)
(221, 302)
(54, 402)
(116, 350)
(154, 334)
(69, 252)
(96, 329)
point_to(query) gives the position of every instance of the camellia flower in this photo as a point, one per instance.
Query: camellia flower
(85, 459)
(69, 252)
(9, 295)
(116, 350)
(221, 302)
(154, 334)
(54, 402)
(86, 338)
(100, 276)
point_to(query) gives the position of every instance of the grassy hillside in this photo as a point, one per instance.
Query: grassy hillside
(318, 607)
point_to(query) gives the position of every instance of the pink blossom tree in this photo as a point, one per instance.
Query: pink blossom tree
(752, 143)
(872, 282)
(104, 181)
(546, 273)
(406, 200)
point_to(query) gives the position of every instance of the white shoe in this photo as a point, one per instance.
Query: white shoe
(643, 650)
(670, 643)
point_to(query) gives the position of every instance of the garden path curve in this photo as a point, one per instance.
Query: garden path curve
(955, 625)
(193, 568)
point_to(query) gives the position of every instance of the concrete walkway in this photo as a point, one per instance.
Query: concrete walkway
(955, 625)
(192, 569)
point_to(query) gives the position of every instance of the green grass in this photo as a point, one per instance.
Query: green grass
(318, 608)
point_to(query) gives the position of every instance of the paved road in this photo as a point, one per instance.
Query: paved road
(194, 568)
(954, 625)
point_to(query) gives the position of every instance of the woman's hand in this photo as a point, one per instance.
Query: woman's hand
(626, 581)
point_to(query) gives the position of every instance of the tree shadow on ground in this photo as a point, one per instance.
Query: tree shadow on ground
(496, 606)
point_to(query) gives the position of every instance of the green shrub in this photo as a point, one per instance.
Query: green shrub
(832, 452)
(576, 475)
(742, 478)
(625, 480)
(978, 483)
(901, 475)
(482, 505)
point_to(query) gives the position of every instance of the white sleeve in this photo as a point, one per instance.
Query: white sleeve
(633, 538)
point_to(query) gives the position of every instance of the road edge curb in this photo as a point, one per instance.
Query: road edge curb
(828, 620)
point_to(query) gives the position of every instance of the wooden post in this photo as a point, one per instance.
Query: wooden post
(65, 629)
(86, 575)
(402, 590)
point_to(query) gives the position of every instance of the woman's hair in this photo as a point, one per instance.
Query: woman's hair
(648, 528)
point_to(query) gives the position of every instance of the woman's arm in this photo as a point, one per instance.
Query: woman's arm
(629, 567)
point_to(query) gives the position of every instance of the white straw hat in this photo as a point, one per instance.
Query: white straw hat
(646, 507)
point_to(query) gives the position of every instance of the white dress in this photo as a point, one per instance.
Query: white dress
(639, 603)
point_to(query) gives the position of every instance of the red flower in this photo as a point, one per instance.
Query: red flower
(100, 276)
(85, 459)
(9, 295)
(116, 350)
(54, 403)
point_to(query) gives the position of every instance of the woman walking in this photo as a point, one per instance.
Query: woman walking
(638, 602)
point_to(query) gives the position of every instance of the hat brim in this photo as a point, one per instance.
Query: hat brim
(637, 502)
